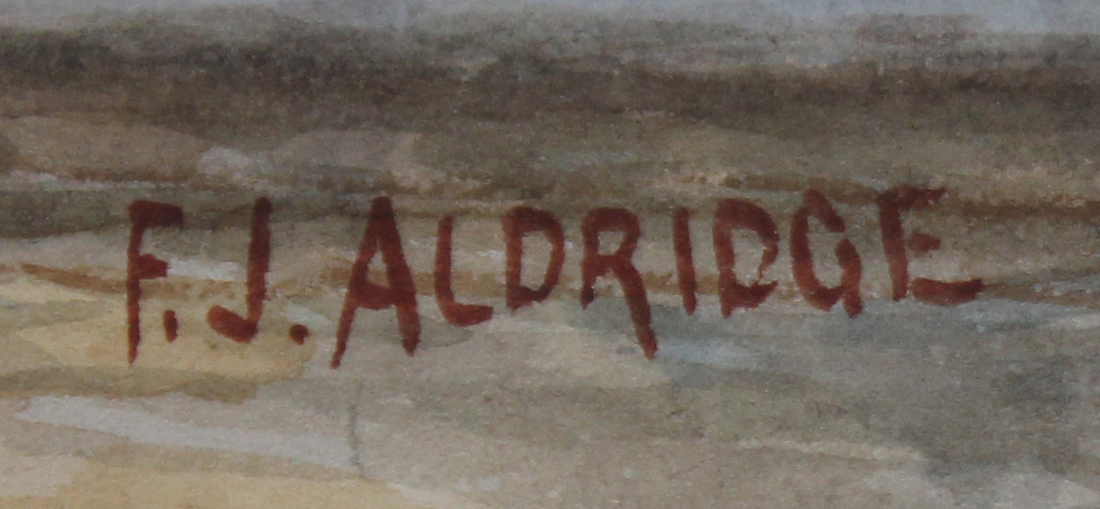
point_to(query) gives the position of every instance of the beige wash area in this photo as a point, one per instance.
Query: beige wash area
(474, 110)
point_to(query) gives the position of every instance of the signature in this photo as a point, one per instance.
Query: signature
(382, 239)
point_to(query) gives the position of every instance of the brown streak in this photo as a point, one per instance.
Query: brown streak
(940, 293)
(73, 278)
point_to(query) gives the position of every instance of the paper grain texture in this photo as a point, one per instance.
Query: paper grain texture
(491, 215)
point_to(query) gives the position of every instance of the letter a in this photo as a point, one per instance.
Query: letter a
(380, 235)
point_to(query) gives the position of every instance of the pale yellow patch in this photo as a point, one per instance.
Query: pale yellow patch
(102, 342)
(124, 488)
(39, 292)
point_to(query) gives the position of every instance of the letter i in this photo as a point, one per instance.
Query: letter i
(685, 264)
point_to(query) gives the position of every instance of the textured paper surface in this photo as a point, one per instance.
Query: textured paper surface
(473, 110)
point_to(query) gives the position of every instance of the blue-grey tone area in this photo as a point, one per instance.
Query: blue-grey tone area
(1025, 16)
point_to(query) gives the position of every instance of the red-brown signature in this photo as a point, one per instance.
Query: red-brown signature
(382, 237)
